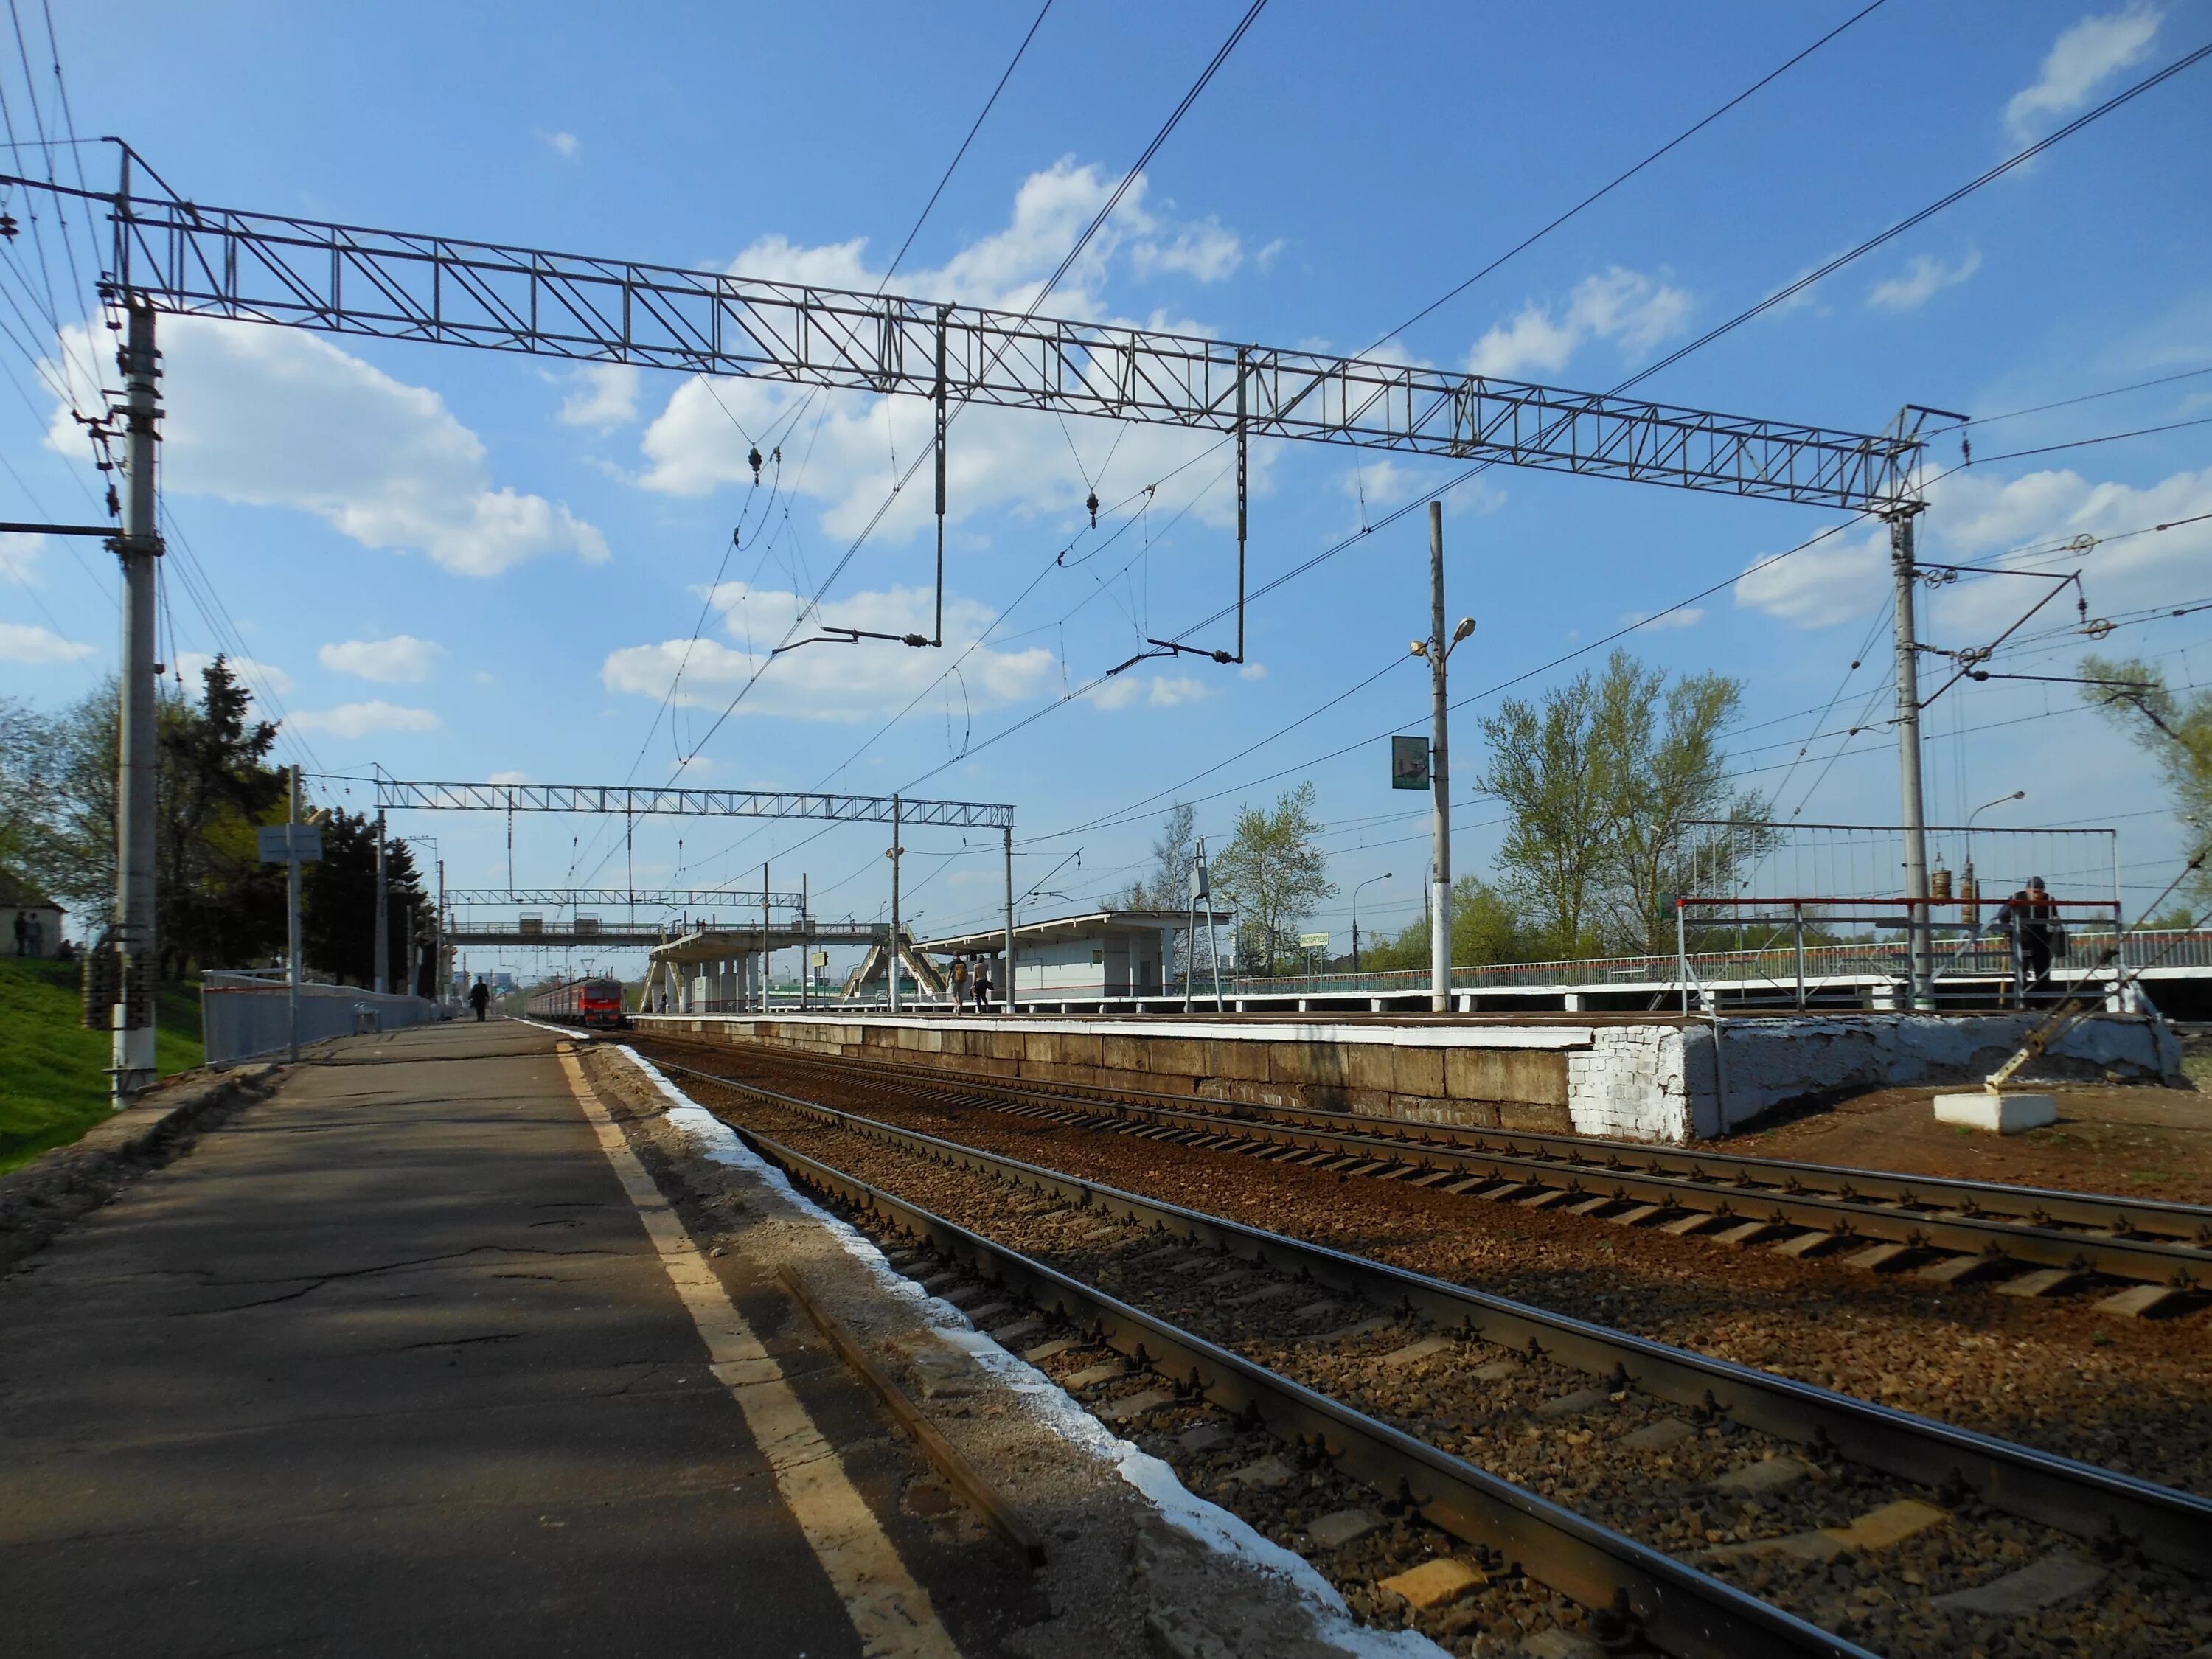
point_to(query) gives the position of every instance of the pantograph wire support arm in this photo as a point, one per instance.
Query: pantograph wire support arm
(343, 279)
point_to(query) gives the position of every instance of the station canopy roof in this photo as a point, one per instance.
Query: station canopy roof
(1058, 928)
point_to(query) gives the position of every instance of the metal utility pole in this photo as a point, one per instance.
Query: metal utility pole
(441, 977)
(136, 768)
(805, 943)
(895, 851)
(292, 917)
(1439, 776)
(383, 915)
(1006, 971)
(1906, 577)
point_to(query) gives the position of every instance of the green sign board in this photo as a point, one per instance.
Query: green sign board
(1409, 762)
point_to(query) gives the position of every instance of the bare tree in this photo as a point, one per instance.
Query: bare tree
(1167, 885)
(2175, 731)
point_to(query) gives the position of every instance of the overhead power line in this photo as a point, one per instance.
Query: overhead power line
(1620, 178)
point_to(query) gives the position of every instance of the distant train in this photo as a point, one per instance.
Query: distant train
(581, 1002)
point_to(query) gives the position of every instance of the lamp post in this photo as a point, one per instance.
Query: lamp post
(1370, 882)
(1438, 649)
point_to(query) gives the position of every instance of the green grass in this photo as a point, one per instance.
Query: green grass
(54, 1075)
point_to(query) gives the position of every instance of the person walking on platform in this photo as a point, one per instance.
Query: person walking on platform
(2032, 919)
(480, 998)
(983, 986)
(959, 985)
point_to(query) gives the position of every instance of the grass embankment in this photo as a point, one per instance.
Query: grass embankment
(53, 1073)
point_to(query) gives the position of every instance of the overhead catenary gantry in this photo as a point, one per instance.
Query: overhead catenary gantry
(175, 255)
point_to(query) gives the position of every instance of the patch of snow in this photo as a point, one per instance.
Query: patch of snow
(1154, 1478)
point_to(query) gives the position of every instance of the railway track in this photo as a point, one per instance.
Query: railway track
(2034, 1240)
(1636, 1589)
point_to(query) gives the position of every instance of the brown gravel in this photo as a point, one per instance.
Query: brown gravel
(2138, 1142)
(1504, 1412)
(2134, 1396)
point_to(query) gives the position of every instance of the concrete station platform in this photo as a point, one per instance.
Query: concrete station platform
(471, 1338)
(1639, 1077)
(389, 1365)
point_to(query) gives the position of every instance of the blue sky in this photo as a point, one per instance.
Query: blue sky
(463, 566)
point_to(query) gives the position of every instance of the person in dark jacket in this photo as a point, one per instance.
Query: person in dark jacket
(2032, 919)
(480, 997)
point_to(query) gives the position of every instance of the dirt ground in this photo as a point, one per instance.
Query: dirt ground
(2139, 1140)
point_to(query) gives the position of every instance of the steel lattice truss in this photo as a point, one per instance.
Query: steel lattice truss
(348, 280)
(605, 897)
(622, 800)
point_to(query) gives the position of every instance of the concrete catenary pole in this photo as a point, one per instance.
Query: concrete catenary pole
(383, 914)
(1006, 971)
(1439, 776)
(136, 769)
(764, 944)
(1906, 576)
(292, 963)
(893, 969)
(805, 943)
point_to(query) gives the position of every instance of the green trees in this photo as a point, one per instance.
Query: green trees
(1274, 871)
(1601, 778)
(338, 924)
(2175, 731)
(1486, 928)
(219, 905)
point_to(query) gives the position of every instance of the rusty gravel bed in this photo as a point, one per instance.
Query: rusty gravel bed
(1854, 1552)
(2127, 1395)
(2037, 1241)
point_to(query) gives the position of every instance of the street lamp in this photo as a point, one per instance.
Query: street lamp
(1370, 882)
(1969, 890)
(1438, 649)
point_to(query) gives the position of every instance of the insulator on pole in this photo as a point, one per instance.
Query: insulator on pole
(753, 460)
(1092, 504)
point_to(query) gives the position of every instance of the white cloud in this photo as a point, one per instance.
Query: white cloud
(1922, 280)
(270, 416)
(1626, 307)
(998, 458)
(1157, 690)
(1252, 670)
(1385, 483)
(22, 642)
(509, 777)
(256, 677)
(566, 145)
(606, 396)
(2083, 58)
(400, 661)
(1265, 258)
(830, 682)
(1206, 250)
(18, 554)
(1972, 516)
(363, 719)
(1687, 616)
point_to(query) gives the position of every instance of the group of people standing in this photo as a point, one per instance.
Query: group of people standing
(971, 980)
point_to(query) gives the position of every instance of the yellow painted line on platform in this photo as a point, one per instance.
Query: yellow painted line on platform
(890, 1611)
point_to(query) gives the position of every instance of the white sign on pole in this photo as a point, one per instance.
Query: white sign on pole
(282, 842)
(1313, 941)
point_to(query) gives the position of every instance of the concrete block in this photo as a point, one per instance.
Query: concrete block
(1535, 1117)
(2004, 1115)
(1180, 1056)
(2057, 1576)
(1124, 1053)
(1333, 1532)
(1369, 1067)
(1435, 1583)
(1417, 1071)
(1892, 1523)
(1244, 1061)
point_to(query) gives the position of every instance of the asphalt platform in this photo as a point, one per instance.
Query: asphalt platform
(388, 1365)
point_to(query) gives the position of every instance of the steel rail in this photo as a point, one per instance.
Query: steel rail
(2149, 1240)
(1679, 1609)
(2077, 1498)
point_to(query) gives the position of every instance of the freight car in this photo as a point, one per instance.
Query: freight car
(592, 1002)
